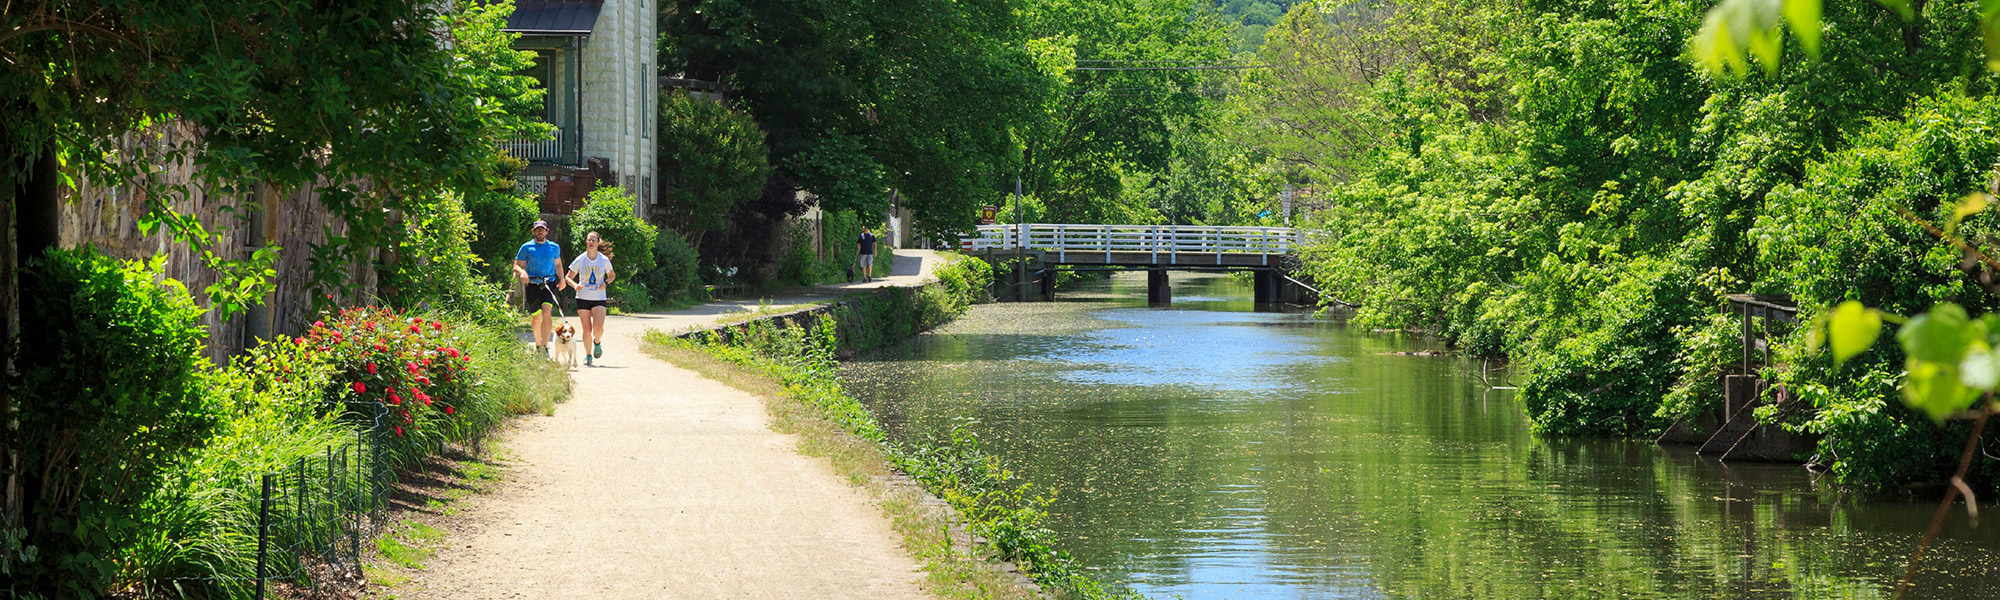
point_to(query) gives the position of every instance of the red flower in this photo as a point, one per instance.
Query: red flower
(393, 398)
(447, 410)
(371, 368)
(423, 380)
(437, 326)
(451, 352)
(427, 362)
(319, 324)
(415, 329)
(299, 341)
(412, 367)
(399, 431)
(381, 348)
(360, 388)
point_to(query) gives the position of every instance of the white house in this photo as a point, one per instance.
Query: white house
(595, 57)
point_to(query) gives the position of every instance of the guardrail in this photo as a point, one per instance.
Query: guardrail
(1169, 241)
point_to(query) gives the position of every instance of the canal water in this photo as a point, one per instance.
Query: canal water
(1210, 451)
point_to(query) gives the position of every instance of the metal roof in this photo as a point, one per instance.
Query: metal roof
(554, 17)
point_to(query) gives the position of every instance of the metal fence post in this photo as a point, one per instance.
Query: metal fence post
(263, 533)
(355, 533)
(332, 511)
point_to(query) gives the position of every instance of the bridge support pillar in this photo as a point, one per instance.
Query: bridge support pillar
(1158, 291)
(1264, 283)
(1048, 284)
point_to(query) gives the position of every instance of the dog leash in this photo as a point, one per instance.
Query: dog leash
(553, 300)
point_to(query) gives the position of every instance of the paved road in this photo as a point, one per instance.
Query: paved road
(656, 483)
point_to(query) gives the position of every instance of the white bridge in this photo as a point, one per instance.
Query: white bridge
(1153, 248)
(1142, 245)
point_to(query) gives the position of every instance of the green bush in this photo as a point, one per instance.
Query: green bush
(197, 533)
(502, 221)
(1603, 369)
(439, 270)
(1838, 235)
(108, 395)
(676, 276)
(290, 403)
(841, 229)
(801, 262)
(611, 213)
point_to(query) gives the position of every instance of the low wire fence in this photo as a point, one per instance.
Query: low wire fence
(308, 521)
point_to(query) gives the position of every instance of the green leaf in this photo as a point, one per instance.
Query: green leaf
(1970, 205)
(1937, 389)
(1756, 27)
(1939, 336)
(1803, 16)
(1851, 329)
(1981, 368)
(1902, 8)
(1989, 29)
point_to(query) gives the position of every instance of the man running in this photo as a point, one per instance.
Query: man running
(538, 265)
(867, 246)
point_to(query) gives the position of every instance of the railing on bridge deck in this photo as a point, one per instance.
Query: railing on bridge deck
(1159, 241)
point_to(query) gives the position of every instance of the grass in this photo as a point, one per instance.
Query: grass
(423, 507)
(950, 571)
(409, 544)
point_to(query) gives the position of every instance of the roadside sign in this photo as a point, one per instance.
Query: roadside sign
(988, 213)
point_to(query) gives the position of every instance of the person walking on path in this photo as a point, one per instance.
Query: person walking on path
(538, 264)
(867, 246)
(591, 275)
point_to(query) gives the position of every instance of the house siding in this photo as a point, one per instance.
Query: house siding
(619, 98)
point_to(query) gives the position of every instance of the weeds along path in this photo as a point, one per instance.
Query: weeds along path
(656, 483)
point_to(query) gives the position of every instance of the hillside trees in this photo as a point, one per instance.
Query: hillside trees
(1561, 183)
(1106, 118)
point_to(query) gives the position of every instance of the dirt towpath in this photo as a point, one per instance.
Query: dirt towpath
(656, 483)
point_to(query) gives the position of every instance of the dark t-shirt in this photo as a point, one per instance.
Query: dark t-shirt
(867, 242)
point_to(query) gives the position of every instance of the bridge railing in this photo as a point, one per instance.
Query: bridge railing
(1167, 241)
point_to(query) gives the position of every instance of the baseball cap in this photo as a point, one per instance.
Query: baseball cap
(539, 224)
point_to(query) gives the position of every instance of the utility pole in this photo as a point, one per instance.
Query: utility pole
(1020, 244)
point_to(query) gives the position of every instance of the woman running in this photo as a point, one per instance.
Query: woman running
(591, 275)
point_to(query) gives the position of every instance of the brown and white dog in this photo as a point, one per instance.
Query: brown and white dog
(565, 345)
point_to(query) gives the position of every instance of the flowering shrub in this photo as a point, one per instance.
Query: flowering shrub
(403, 374)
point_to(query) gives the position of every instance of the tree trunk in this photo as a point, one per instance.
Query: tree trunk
(34, 211)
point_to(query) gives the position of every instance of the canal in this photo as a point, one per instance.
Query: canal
(1210, 451)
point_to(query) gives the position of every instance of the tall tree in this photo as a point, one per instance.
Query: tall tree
(862, 96)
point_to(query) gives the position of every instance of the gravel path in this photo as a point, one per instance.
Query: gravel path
(656, 483)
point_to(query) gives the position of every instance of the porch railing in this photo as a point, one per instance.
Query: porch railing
(548, 150)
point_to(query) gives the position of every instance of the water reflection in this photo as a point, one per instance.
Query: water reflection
(1212, 452)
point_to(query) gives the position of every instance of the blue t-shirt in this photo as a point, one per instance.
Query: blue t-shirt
(541, 258)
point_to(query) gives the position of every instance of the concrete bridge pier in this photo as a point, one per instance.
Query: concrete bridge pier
(1264, 285)
(1158, 291)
